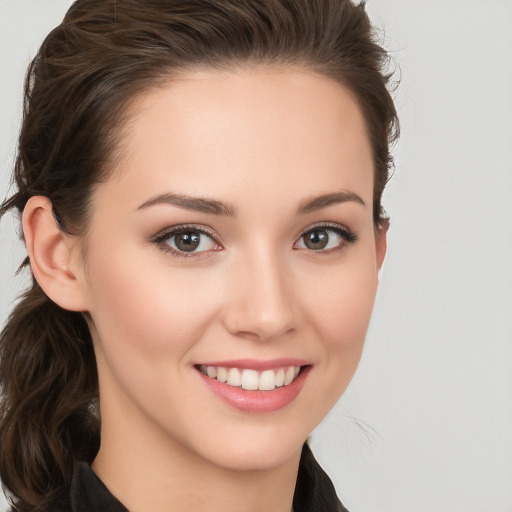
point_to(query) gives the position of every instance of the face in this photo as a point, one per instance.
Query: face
(235, 240)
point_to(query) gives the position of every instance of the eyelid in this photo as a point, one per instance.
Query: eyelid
(348, 236)
(327, 225)
(160, 241)
(171, 230)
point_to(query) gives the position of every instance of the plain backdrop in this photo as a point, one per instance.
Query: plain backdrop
(426, 425)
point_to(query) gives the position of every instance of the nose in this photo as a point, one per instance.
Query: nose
(261, 303)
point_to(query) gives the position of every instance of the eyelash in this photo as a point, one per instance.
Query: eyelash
(160, 239)
(348, 237)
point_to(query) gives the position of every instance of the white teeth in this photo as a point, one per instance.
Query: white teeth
(252, 380)
(289, 375)
(279, 377)
(222, 374)
(234, 377)
(267, 380)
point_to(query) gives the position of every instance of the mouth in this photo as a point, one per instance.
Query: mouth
(255, 387)
(252, 380)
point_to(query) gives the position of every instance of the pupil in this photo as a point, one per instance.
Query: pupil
(187, 241)
(316, 240)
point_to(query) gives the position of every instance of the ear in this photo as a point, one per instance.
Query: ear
(381, 242)
(54, 255)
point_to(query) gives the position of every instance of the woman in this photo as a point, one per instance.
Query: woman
(200, 186)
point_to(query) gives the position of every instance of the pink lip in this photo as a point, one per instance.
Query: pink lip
(256, 364)
(256, 401)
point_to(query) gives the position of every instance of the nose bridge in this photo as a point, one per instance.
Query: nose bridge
(262, 303)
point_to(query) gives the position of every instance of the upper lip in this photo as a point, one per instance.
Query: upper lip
(257, 364)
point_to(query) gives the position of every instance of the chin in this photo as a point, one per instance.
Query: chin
(258, 460)
(266, 453)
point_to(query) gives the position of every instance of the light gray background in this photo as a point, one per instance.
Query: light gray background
(426, 425)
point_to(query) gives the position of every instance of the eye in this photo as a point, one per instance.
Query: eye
(325, 238)
(184, 241)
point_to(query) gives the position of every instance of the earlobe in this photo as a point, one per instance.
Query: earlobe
(51, 253)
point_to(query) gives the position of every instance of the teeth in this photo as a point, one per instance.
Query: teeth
(222, 374)
(289, 375)
(267, 380)
(280, 377)
(251, 379)
(234, 377)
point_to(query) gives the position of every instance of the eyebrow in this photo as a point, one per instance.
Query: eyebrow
(317, 203)
(197, 204)
(214, 207)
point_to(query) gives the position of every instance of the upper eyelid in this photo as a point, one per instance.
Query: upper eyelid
(326, 224)
(169, 231)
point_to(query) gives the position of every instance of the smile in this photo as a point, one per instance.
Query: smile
(250, 379)
(255, 386)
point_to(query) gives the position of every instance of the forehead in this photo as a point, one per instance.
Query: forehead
(219, 133)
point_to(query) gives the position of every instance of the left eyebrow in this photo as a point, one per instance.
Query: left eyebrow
(317, 203)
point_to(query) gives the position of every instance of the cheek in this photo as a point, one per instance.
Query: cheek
(339, 309)
(147, 310)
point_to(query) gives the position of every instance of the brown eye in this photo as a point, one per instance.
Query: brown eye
(325, 238)
(316, 239)
(187, 241)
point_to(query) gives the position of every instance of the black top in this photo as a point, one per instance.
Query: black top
(89, 493)
(314, 491)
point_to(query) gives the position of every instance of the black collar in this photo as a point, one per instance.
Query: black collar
(88, 493)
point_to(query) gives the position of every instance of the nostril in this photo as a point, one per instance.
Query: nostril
(248, 335)
(264, 332)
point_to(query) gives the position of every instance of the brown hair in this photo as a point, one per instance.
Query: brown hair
(76, 92)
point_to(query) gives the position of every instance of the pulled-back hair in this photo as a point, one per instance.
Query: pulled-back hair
(103, 54)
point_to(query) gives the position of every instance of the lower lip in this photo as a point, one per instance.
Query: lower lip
(257, 401)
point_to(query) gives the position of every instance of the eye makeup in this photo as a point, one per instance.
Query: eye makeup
(193, 237)
(318, 238)
(193, 241)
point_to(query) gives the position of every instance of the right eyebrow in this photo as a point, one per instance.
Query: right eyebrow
(186, 202)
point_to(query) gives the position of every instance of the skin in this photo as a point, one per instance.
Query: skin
(264, 142)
